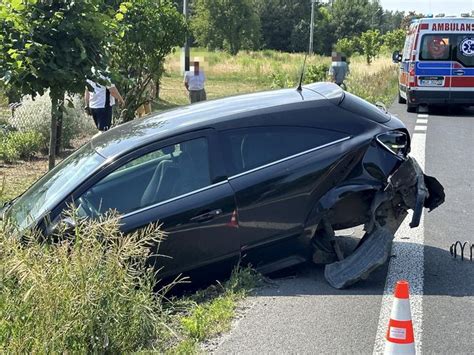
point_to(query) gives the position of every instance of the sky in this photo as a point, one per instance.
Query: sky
(448, 7)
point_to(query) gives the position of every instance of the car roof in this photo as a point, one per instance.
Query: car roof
(139, 132)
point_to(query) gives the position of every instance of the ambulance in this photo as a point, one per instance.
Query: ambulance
(437, 63)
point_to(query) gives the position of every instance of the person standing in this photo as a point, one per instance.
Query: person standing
(194, 82)
(99, 103)
(338, 69)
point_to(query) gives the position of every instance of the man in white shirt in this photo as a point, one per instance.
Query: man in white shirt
(99, 102)
(194, 83)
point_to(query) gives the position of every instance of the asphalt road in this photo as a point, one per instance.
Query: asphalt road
(298, 312)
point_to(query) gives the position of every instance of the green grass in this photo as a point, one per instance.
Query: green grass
(211, 311)
(256, 71)
(91, 290)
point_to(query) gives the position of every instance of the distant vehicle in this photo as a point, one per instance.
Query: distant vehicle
(264, 178)
(437, 63)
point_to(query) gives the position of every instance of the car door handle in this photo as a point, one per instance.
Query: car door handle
(207, 216)
(459, 72)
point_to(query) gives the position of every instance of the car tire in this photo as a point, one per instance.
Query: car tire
(401, 100)
(412, 108)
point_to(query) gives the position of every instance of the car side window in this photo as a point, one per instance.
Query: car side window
(253, 147)
(150, 179)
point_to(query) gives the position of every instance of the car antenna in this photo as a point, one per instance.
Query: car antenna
(299, 88)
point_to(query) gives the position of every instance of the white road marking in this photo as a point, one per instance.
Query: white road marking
(423, 115)
(422, 121)
(420, 128)
(408, 264)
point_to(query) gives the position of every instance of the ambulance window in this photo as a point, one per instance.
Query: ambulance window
(435, 47)
(464, 50)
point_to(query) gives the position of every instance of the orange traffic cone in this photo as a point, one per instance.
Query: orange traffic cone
(400, 338)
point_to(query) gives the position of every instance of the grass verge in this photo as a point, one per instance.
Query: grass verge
(210, 312)
(91, 290)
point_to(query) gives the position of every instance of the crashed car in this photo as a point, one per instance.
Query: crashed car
(263, 179)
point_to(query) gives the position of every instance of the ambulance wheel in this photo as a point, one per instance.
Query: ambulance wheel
(412, 108)
(401, 100)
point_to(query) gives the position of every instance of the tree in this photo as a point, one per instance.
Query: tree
(370, 43)
(352, 17)
(348, 46)
(394, 40)
(148, 30)
(407, 20)
(391, 20)
(51, 45)
(278, 20)
(226, 24)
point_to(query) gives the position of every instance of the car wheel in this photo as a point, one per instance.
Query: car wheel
(412, 108)
(401, 100)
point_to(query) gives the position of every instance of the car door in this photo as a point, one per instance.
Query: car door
(462, 67)
(434, 68)
(178, 187)
(275, 172)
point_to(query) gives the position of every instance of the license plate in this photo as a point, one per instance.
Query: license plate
(431, 82)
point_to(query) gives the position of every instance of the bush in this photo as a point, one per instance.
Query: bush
(371, 41)
(20, 145)
(315, 73)
(35, 115)
(280, 80)
(349, 46)
(89, 293)
(394, 40)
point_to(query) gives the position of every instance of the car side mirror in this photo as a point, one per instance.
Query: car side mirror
(396, 57)
(65, 225)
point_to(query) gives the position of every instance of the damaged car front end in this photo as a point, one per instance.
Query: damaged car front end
(380, 202)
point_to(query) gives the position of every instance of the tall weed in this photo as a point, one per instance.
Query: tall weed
(91, 291)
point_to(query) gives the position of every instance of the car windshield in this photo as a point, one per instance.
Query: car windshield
(47, 192)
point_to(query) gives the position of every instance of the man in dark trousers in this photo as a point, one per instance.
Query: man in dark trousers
(194, 82)
(99, 103)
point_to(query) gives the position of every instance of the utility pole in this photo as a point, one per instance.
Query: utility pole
(185, 51)
(311, 28)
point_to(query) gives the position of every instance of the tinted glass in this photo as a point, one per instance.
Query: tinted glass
(464, 49)
(53, 187)
(152, 178)
(435, 47)
(252, 147)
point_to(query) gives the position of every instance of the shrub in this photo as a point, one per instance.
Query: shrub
(315, 73)
(394, 40)
(20, 145)
(371, 41)
(35, 115)
(90, 292)
(280, 80)
(348, 46)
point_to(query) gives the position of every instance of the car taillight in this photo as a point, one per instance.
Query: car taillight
(395, 142)
(411, 73)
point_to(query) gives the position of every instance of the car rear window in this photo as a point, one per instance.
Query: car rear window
(253, 147)
(435, 47)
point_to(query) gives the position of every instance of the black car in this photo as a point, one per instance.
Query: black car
(264, 178)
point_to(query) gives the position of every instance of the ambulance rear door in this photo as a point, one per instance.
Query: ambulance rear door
(462, 68)
(434, 65)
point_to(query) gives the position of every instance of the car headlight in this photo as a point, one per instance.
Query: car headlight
(395, 141)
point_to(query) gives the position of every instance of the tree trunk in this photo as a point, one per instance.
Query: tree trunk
(56, 112)
(59, 132)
